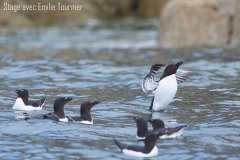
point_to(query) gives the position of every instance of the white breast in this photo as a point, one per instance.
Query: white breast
(165, 92)
(63, 119)
(19, 105)
(154, 152)
(140, 138)
(85, 122)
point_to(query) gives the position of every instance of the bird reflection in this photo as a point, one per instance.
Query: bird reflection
(21, 115)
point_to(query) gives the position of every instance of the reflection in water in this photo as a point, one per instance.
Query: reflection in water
(21, 115)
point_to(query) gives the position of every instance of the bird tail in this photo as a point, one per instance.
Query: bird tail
(46, 116)
(42, 101)
(119, 144)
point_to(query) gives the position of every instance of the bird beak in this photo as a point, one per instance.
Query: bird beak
(179, 63)
(68, 98)
(95, 102)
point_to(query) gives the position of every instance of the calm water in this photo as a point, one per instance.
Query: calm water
(108, 64)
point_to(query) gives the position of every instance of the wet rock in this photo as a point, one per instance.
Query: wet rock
(200, 23)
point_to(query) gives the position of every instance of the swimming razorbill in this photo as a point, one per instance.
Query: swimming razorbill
(85, 114)
(58, 110)
(165, 88)
(148, 150)
(158, 125)
(24, 104)
(169, 132)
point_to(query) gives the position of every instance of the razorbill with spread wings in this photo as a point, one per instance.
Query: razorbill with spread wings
(165, 88)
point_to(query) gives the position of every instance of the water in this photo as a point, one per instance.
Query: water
(109, 64)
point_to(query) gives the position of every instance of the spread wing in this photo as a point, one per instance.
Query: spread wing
(182, 75)
(148, 84)
(170, 131)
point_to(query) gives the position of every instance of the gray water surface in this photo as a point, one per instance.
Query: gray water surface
(109, 65)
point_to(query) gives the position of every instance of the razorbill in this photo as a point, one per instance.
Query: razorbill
(22, 102)
(148, 150)
(169, 132)
(58, 110)
(165, 88)
(158, 125)
(85, 114)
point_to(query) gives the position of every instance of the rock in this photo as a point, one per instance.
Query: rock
(109, 8)
(10, 18)
(149, 8)
(236, 26)
(185, 23)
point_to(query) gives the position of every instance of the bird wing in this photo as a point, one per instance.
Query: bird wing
(148, 84)
(182, 75)
(136, 148)
(161, 131)
(128, 147)
(51, 116)
(37, 103)
(170, 131)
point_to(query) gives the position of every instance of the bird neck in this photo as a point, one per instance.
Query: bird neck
(59, 111)
(25, 100)
(86, 116)
(149, 145)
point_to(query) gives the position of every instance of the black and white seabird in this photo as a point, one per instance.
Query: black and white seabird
(58, 110)
(23, 103)
(148, 150)
(85, 114)
(169, 132)
(165, 88)
(158, 125)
